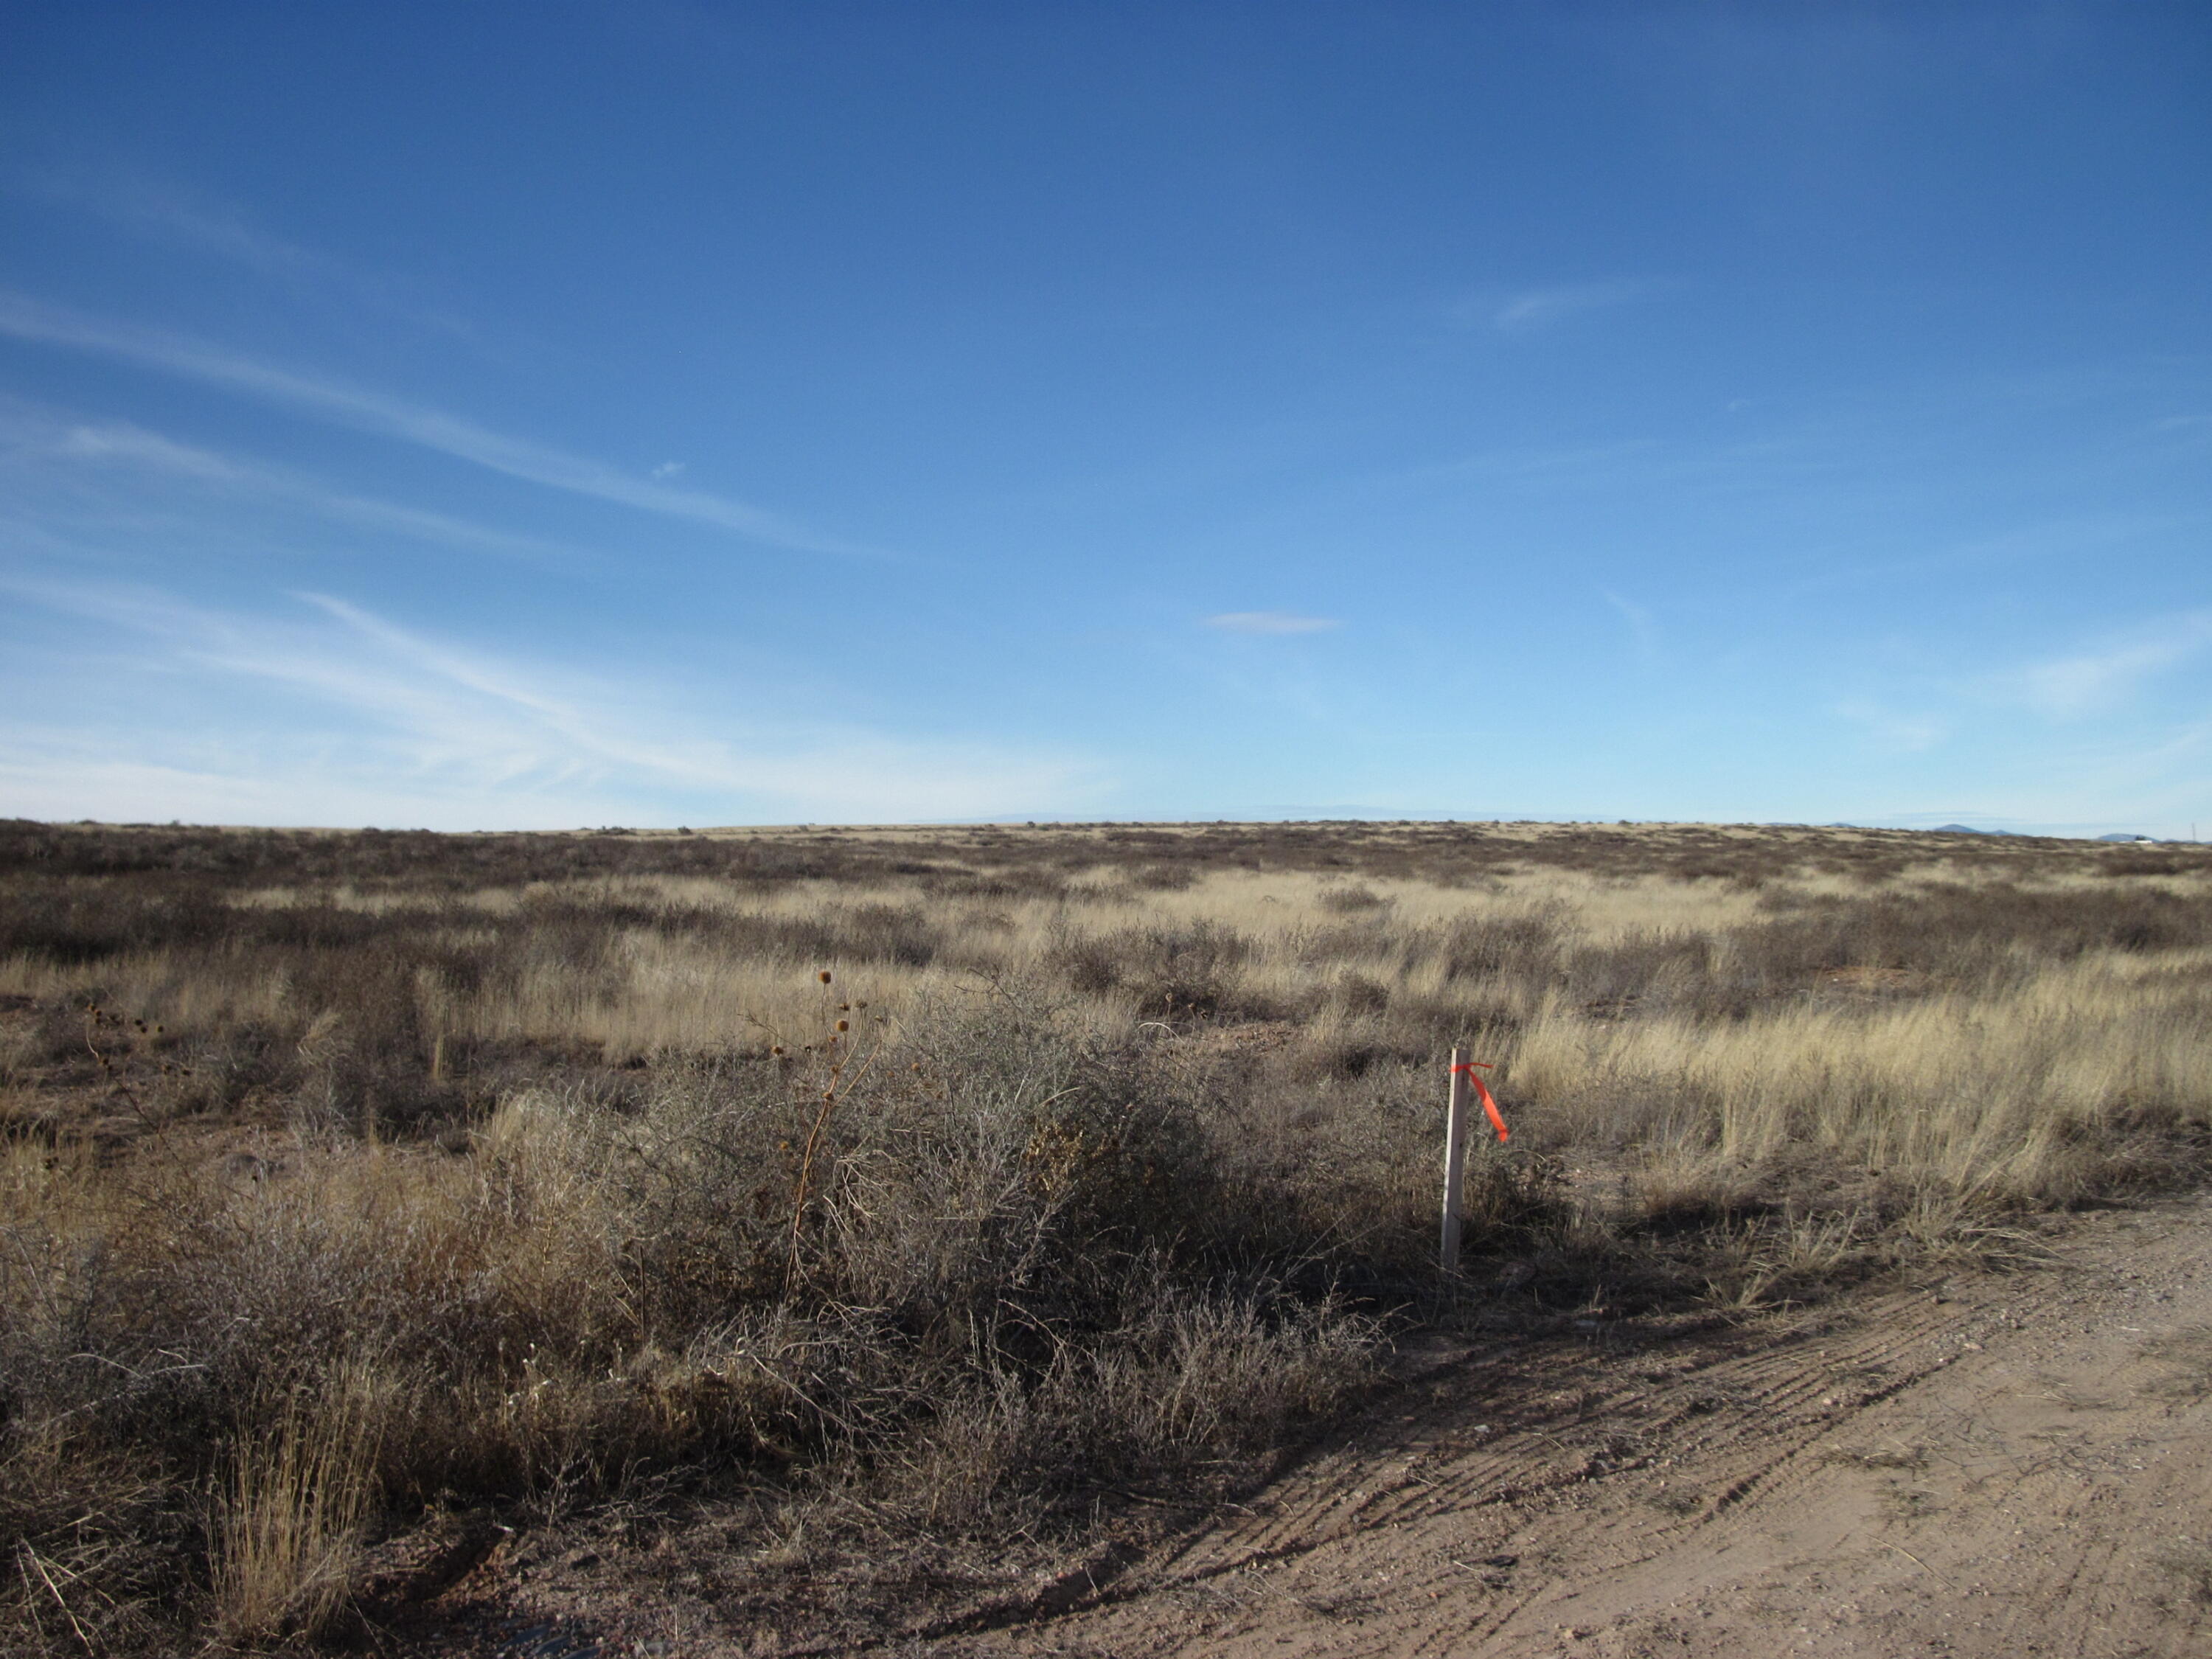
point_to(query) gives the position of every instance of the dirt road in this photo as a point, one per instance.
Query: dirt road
(1999, 1464)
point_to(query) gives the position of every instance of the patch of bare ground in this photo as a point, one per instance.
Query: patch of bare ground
(1993, 1464)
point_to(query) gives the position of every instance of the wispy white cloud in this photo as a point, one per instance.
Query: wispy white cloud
(373, 711)
(28, 319)
(1270, 623)
(667, 469)
(172, 213)
(67, 775)
(1538, 307)
(175, 216)
(2104, 678)
(1899, 732)
(1640, 624)
(116, 442)
(2147, 779)
(30, 439)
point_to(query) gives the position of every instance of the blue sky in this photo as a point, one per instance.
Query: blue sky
(517, 415)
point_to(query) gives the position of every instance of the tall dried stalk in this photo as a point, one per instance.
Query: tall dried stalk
(289, 1520)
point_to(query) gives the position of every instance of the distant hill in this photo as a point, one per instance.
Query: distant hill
(1968, 829)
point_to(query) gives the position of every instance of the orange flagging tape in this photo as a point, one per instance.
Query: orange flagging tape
(1497, 1117)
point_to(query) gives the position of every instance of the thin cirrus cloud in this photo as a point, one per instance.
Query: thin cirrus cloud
(171, 214)
(175, 216)
(377, 712)
(1641, 625)
(2089, 683)
(1898, 731)
(27, 320)
(1265, 623)
(1534, 309)
(31, 440)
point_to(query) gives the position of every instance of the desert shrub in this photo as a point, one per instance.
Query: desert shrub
(872, 933)
(1352, 899)
(87, 920)
(763, 1264)
(1659, 969)
(1165, 878)
(1191, 972)
(1970, 933)
(1503, 946)
(1417, 1028)
(1359, 994)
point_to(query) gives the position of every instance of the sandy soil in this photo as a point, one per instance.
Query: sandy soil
(1995, 1464)
(1998, 1465)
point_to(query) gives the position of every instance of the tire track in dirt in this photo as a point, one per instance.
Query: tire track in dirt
(1981, 1471)
(1715, 1402)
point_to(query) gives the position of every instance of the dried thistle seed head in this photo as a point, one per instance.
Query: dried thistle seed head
(844, 1024)
(777, 1049)
(823, 976)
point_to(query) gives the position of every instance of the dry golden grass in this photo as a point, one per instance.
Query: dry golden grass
(2012, 1094)
(287, 1528)
(342, 1176)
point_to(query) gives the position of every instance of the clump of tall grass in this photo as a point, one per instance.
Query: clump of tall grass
(288, 1515)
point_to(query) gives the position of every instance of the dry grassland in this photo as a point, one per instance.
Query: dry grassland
(937, 1182)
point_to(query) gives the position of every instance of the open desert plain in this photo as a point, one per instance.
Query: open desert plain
(1023, 1240)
